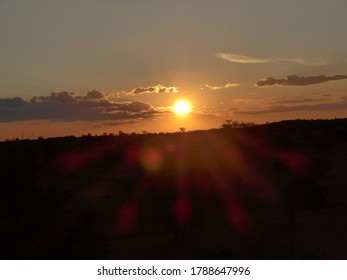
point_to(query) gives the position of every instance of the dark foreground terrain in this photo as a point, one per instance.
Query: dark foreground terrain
(276, 191)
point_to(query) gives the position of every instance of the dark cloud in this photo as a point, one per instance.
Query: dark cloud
(11, 102)
(70, 106)
(340, 105)
(295, 80)
(134, 106)
(151, 89)
(57, 97)
(95, 94)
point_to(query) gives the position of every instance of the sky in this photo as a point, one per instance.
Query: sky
(83, 66)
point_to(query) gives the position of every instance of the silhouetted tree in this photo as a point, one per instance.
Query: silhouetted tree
(236, 124)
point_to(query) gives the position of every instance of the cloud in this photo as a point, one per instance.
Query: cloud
(131, 107)
(70, 106)
(151, 89)
(11, 102)
(57, 97)
(296, 101)
(295, 80)
(228, 85)
(340, 105)
(237, 58)
(95, 94)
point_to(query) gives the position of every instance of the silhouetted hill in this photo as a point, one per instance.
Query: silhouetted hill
(274, 191)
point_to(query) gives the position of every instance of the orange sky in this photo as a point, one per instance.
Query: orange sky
(91, 67)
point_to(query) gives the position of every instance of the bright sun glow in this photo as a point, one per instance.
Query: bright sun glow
(182, 107)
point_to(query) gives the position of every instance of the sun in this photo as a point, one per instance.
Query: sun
(182, 107)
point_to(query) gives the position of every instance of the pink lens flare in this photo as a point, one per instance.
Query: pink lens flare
(126, 218)
(238, 217)
(182, 210)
